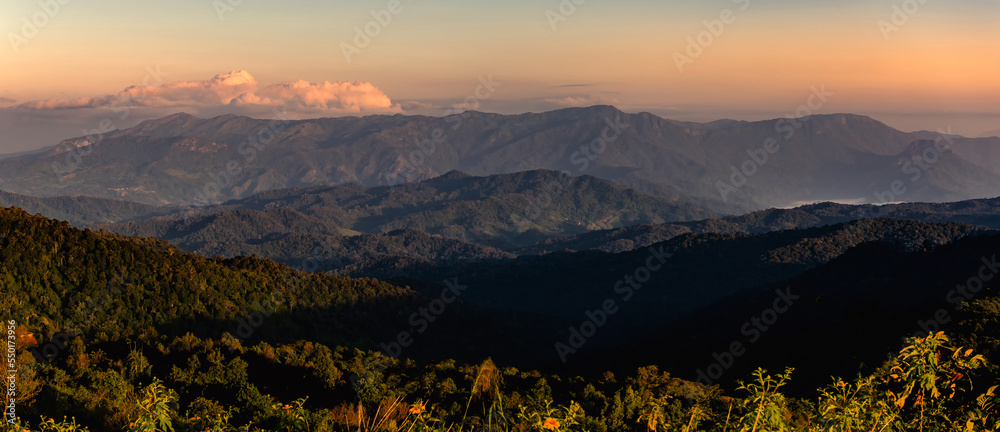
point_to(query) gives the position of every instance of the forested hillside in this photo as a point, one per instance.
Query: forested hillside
(134, 333)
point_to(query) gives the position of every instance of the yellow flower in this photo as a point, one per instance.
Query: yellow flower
(417, 408)
(551, 424)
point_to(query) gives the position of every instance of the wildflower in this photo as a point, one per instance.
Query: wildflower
(417, 408)
(551, 424)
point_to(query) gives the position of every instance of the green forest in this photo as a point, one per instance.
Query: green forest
(114, 333)
(190, 384)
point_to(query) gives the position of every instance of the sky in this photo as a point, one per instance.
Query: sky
(68, 67)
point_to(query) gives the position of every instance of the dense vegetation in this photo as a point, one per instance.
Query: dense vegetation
(499, 210)
(81, 211)
(59, 280)
(290, 237)
(130, 333)
(688, 280)
(277, 224)
(190, 384)
(979, 212)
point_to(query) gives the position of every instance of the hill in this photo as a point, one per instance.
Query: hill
(205, 341)
(106, 287)
(182, 159)
(870, 297)
(979, 212)
(681, 275)
(81, 211)
(505, 210)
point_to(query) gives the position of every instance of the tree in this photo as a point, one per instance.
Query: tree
(157, 409)
(765, 408)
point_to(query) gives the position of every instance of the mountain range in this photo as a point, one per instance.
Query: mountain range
(350, 259)
(727, 165)
(456, 218)
(511, 308)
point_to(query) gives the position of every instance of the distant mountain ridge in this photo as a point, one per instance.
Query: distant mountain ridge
(83, 210)
(181, 159)
(464, 218)
(979, 212)
(702, 266)
(452, 218)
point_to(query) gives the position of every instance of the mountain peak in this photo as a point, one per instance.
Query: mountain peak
(165, 125)
(596, 109)
(177, 116)
(453, 175)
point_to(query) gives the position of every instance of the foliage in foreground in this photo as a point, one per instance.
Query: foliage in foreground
(190, 384)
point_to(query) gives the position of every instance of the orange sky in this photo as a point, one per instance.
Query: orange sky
(939, 68)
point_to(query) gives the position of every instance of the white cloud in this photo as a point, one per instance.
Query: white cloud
(241, 91)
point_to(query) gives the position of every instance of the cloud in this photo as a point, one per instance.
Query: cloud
(342, 96)
(239, 90)
(6, 101)
(581, 101)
